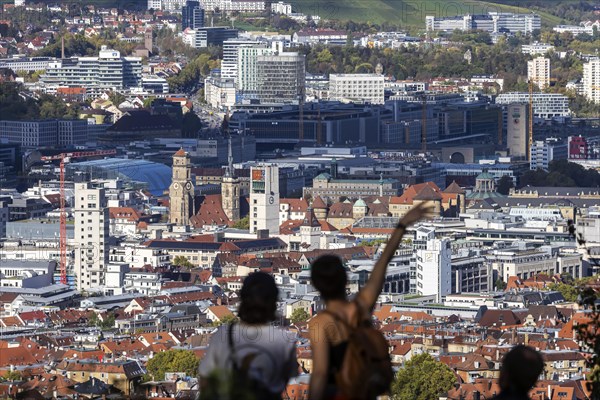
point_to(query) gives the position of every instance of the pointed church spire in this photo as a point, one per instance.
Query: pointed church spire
(229, 171)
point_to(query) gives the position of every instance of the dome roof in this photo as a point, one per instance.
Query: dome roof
(360, 203)
(485, 175)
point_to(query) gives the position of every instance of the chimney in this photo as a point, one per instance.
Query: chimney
(62, 47)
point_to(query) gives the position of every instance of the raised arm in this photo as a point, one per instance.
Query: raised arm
(369, 293)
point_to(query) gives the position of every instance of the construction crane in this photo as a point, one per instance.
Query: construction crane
(424, 123)
(64, 158)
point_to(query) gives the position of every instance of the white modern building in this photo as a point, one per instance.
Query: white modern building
(219, 93)
(545, 105)
(357, 88)
(166, 5)
(247, 73)
(536, 48)
(493, 22)
(544, 151)
(434, 269)
(264, 199)
(538, 71)
(591, 80)
(585, 27)
(91, 235)
(26, 63)
(248, 6)
(281, 8)
(108, 71)
(229, 64)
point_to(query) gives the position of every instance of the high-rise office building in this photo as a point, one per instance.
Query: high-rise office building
(229, 64)
(591, 80)
(517, 141)
(247, 73)
(538, 71)
(192, 15)
(280, 78)
(264, 199)
(209, 36)
(434, 269)
(91, 235)
(181, 191)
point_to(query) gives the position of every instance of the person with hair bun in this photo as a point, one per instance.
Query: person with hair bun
(329, 330)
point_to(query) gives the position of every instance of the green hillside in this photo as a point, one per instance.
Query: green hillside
(408, 12)
(404, 13)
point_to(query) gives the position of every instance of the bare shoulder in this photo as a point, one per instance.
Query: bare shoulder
(320, 319)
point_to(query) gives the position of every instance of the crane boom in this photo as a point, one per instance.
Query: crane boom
(64, 158)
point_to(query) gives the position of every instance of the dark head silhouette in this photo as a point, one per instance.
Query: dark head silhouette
(258, 299)
(520, 369)
(329, 277)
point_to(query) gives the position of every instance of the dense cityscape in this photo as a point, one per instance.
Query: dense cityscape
(154, 154)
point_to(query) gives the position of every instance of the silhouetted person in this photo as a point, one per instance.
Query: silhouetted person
(328, 336)
(250, 358)
(520, 370)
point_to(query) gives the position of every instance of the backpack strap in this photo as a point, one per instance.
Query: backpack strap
(231, 346)
(348, 325)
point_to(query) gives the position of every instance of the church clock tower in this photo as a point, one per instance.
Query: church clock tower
(181, 191)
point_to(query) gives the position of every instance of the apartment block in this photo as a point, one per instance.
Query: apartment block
(360, 88)
(591, 80)
(538, 71)
(91, 235)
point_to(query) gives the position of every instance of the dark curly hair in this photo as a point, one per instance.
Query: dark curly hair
(258, 299)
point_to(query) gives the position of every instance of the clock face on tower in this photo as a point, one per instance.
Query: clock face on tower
(271, 200)
(176, 186)
(188, 186)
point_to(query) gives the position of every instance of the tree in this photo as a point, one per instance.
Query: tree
(12, 376)
(116, 98)
(423, 378)
(148, 102)
(109, 322)
(190, 125)
(182, 261)
(299, 315)
(500, 285)
(569, 292)
(505, 183)
(172, 361)
(243, 223)
(227, 319)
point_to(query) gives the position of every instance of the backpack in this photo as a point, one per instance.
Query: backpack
(366, 370)
(238, 384)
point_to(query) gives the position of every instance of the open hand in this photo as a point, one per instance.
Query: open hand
(421, 211)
